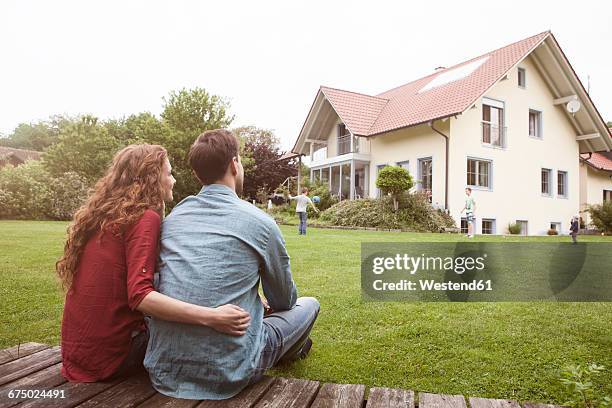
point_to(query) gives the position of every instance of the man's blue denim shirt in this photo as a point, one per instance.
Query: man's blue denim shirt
(215, 248)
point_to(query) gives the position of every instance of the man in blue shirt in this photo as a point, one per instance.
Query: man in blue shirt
(215, 249)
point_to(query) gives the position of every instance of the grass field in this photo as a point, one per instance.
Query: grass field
(503, 350)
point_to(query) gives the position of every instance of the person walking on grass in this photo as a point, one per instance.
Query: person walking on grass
(470, 209)
(302, 203)
(574, 226)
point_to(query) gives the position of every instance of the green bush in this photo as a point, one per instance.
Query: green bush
(514, 228)
(28, 191)
(414, 213)
(601, 216)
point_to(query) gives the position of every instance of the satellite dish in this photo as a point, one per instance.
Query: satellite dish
(573, 106)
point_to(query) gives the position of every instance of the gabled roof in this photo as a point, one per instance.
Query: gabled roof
(21, 155)
(357, 111)
(451, 91)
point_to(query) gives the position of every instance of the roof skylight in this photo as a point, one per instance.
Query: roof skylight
(454, 74)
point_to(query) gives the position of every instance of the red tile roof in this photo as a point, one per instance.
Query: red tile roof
(601, 161)
(20, 155)
(414, 103)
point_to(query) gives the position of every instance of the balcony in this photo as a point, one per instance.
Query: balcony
(493, 135)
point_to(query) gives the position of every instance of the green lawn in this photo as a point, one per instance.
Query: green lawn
(504, 350)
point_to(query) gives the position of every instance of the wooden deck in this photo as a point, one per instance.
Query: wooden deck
(34, 366)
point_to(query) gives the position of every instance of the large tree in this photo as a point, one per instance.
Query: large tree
(186, 114)
(262, 170)
(84, 147)
(36, 135)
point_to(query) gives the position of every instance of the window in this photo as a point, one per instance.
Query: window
(425, 176)
(524, 226)
(535, 123)
(607, 195)
(378, 169)
(404, 164)
(555, 226)
(344, 140)
(546, 182)
(488, 226)
(464, 226)
(522, 78)
(479, 173)
(562, 183)
(493, 130)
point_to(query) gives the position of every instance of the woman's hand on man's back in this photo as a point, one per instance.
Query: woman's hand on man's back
(230, 319)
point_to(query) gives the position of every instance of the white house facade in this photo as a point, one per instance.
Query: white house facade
(511, 124)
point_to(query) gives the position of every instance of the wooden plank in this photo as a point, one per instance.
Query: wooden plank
(164, 401)
(247, 397)
(339, 396)
(48, 378)
(127, 394)
(75, 394)
(390, 398)
(289, 393)
(19, 351)
(427, 400)
(540, 405)
(29, 364)
(493, 403)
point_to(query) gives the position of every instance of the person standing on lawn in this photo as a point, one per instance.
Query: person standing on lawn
(217, 248)
(470, 209)
(108, 265)
(302, 204)
(574, 227)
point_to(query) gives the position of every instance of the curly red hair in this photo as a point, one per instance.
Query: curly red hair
(130, 186)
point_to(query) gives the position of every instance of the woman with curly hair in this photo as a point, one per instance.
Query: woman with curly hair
(107, 269)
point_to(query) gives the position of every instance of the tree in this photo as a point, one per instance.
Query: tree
(601, 216)
(84, 147)
(195, 110)
(36, 136)
(186, 114)
(260, 154)
(394, 180)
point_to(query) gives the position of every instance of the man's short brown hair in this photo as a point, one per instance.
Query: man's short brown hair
(211, 153)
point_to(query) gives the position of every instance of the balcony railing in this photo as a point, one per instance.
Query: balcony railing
(493, 135)
(344, 144)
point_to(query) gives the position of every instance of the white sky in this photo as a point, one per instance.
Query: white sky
(115, 58)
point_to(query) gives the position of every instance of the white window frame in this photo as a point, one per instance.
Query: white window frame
(524, 71)
(550, 182)
(566, 185)
(539, 125)
(420, 176)
(490, 175)
(493, 226)
(520, 222)
(461, 230)
(557, 226)
(379, 167)
(502, 128)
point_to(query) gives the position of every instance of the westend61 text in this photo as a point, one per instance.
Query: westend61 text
(431, 285)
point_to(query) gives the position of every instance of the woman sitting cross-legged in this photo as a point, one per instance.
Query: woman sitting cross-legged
(108, 267)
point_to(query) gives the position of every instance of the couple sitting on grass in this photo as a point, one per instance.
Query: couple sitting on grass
(210, 334)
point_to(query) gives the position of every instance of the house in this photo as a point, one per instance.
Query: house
(15, 157)
(499, 123)
(595, 180)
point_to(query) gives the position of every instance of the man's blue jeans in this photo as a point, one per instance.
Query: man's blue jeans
(286, 333)
(302, 228)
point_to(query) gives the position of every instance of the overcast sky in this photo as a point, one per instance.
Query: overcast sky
(114, 58)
